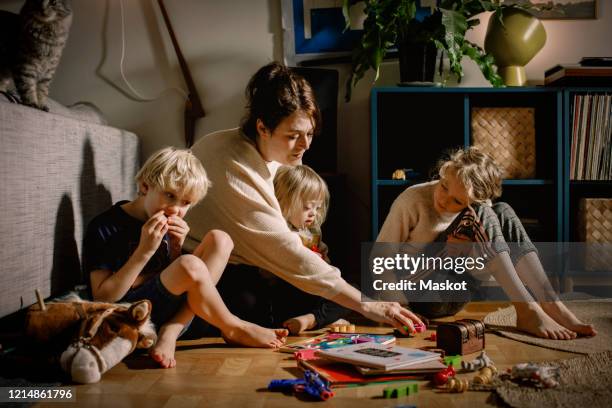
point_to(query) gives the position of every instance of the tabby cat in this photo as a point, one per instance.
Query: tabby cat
(31, 45)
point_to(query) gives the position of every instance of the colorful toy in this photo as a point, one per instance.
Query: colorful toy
(443, 376)
(102, 333)
(411, 388)
(432, 337)
(547, 377)
(479, 362)
(455, 361)
(311, 385)
(305, 354)
(343, 328)
(457, 385)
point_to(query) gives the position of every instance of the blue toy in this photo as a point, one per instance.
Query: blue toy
(311, 384)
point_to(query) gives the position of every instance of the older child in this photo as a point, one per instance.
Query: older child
(470, 177)
(304, 198)
(133, 251)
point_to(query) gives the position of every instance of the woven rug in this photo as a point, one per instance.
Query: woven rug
(583, 382)
(597, 312)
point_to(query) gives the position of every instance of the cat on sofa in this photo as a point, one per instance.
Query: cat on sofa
(31, 46)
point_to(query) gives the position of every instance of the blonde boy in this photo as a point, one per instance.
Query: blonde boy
(133, 251)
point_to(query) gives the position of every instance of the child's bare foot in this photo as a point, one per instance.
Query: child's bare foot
(163, 351)
(532, 319)
(252, 335)
(298, 324)
(562, 315)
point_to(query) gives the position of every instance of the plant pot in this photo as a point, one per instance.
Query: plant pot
(514, 43)
(417, 61)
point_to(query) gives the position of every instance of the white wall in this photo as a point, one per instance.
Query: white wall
(224, 42)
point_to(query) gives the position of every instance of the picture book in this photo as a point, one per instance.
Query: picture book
(375, 355)
(335, 340)
(340, 375)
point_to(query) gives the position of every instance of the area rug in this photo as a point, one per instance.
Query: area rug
(597, 312)
(583, 382)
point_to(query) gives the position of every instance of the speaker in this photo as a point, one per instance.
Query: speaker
(323, 153)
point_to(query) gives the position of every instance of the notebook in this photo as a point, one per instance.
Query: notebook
(380, 356)
(428, 367)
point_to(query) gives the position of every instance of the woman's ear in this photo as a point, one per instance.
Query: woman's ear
(262, 130)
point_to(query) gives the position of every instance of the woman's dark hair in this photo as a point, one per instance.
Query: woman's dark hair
(274, 93)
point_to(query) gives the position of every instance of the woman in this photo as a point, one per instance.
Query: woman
(281, 119)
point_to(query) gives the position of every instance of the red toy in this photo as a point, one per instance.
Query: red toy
(443, 376)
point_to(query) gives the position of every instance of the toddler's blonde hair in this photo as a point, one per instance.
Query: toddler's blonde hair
(478, 172)
(296, 185)
(175, 169)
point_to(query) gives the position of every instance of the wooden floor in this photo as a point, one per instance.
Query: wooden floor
(211, 374)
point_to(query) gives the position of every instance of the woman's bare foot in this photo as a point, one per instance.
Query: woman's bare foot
(252, 335)
(562, 315)
(532, 319)
(298, 324)
(163, 351)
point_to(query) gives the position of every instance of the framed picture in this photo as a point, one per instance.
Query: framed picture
(314, 30)
(562, 9)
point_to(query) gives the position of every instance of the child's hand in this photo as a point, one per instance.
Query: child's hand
(177, 230)
(152, 233)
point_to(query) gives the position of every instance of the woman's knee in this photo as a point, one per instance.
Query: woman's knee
(192, 268)
(220, 240)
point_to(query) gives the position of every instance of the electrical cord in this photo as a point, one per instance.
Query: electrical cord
(138, 95)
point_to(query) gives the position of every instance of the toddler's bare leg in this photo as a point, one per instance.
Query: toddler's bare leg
(163, 351)
(188, 274)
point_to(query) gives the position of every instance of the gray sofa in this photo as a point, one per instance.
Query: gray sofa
(57, 172)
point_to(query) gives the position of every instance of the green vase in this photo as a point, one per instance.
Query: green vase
(514, 43)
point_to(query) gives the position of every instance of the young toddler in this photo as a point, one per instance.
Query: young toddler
(471, 178)
(303, 197)
(133, 251)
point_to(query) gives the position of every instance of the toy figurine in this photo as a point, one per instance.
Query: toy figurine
(548, 377)
(479, 362)
(311, 384)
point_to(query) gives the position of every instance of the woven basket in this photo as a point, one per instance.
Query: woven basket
(595, 227)
(508, 136)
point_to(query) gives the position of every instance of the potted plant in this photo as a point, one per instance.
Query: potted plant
(392, 24)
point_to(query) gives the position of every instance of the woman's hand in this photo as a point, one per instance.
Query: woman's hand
(391, 313)
(152, 233)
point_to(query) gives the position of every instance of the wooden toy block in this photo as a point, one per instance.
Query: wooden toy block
(455, 361)
(410, 388)
(344, 328)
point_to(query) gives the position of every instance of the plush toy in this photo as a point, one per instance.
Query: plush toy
(99, 334)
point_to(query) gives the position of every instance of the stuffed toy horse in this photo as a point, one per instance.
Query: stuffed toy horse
(99, 334)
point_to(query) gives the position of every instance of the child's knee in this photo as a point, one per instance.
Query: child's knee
(221, 240)
(193, 268)
(504, 210)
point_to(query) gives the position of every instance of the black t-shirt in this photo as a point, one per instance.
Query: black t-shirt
(112, 237)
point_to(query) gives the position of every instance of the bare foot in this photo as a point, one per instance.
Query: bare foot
(298, 324)
(532, 319)
(163, 351)
(252, 335)
(562, 315)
